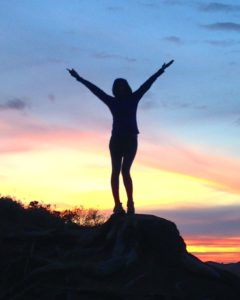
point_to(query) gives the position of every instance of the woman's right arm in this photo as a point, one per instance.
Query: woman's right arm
(92, 87)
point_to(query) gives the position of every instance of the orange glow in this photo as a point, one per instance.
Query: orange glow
(74, 177)
(21, 135)
(204, 249)
(220, 257)
(222, 250)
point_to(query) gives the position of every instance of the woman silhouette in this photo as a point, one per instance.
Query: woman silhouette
(123, 142)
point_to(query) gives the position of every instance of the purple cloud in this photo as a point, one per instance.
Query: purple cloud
(237, 122)
(51, 97)
(218, 221)
(104, 55)
(224, 26)
(148, 105)
(149, 4)
(15, 104)
(115, 8)
(218, 7)
(222, 43)
(173, 39)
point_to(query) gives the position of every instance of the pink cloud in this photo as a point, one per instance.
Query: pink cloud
(174, 156)
(21, 133)
(24, 133)
(213, 241)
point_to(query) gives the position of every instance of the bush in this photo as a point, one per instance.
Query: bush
(83, 217)
(38, 215)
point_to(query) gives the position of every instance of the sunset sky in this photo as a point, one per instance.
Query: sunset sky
(54, 133)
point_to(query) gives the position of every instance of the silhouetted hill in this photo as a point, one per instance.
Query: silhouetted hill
(127, 257)
(232, 267)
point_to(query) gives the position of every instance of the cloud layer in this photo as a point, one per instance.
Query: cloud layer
(223, 26)
(14, 104)
(172, 155)
(219, 7)
(173, 39)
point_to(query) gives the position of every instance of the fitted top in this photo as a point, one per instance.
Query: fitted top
(124, 113)
(123, 110)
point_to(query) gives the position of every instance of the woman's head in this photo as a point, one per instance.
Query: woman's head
(121, 88)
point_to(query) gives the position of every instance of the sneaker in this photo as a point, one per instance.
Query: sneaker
(130, 208)
(118, 209)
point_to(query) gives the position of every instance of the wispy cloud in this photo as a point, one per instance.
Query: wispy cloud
(237, 122)
(154, 4)
(223, 26)
(22, 134)
(115, 8)
(233, 63)
(149, 4)
(174, 156)
(222, 43)
(173, 39)
(105, 55)
(175, 2)
(14, 104)
(174, 105)
(51, 97)
(148, 105)
(219, 7)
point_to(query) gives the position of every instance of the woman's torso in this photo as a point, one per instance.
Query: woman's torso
(124, 112)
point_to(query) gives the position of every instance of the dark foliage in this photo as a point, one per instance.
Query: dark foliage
(36, 215)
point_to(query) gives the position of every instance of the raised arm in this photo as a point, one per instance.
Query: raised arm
(92, 87)
(148, 83)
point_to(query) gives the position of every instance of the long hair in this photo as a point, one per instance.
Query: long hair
(121, 88)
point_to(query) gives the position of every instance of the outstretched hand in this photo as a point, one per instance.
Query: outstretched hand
(73, 73)
(165, 66)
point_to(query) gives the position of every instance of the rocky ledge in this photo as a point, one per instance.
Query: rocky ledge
(129, 257)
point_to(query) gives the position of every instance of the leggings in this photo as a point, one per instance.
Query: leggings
(123, 150)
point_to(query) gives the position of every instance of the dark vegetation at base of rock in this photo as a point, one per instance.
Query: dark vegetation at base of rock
(17, 216)
(44, 256)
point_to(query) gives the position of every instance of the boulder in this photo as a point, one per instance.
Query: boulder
(128, 257)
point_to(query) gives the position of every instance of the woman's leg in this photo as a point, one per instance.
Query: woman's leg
(116, 159)
(130, 151)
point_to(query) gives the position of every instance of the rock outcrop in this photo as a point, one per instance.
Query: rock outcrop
(128, 257)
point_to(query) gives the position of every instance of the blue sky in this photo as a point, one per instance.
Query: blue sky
(189, 121)
(129, 39)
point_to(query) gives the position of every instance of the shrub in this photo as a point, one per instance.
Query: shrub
(39, 215)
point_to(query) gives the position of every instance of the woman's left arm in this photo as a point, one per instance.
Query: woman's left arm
(148, 83)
